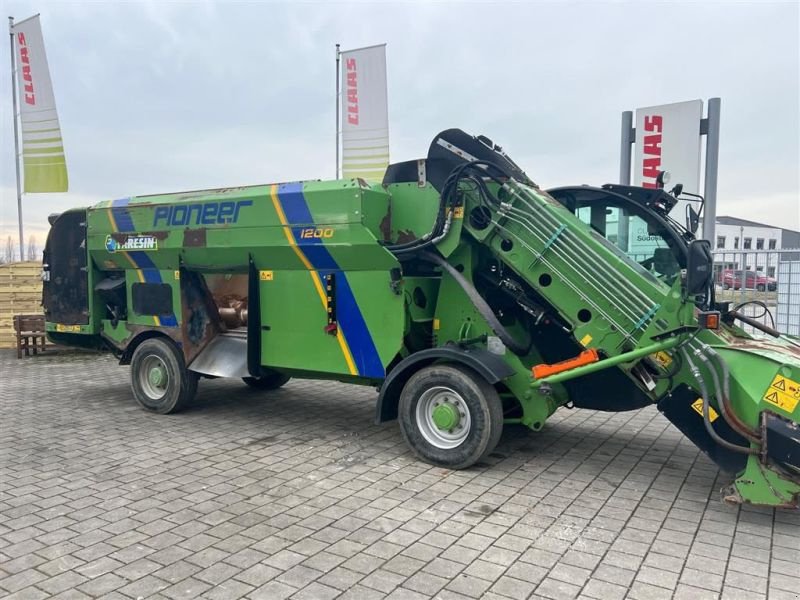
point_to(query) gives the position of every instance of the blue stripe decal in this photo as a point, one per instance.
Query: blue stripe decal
(349, 317)
(119, 208)
(143, 262)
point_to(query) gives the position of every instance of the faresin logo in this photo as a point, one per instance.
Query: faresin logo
(132, 242)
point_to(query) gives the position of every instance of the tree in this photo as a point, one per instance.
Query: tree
(33, 251)
(9, 255)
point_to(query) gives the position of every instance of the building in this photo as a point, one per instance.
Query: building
(745, 245)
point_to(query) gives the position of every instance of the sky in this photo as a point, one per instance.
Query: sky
(169, 96)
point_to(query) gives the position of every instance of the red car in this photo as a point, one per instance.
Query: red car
(753, 280)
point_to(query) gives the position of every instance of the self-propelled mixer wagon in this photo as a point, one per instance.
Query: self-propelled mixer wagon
(469, 296)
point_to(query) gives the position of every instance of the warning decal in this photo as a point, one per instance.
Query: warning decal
(662, 358)
(783, 393)
(697, 405)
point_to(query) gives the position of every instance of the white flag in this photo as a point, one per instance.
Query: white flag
(42, 148)
(365, 113)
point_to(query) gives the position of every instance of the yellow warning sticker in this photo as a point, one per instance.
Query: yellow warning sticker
(697, 405)
(458, 212)
(68, 328)
(265, 275)
(436, 324)
(783, 393)
(662, 358)
(177, 275)
(586, 340)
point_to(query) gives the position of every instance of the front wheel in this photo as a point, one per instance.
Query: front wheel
(160, 380)
(450, 416)
(761, 287)
(270, 380)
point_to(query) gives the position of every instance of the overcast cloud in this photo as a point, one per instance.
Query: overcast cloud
(157, 96)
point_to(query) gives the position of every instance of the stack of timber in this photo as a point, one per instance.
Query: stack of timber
(20, 293)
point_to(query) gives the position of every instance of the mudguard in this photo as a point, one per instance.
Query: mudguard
(490, 366)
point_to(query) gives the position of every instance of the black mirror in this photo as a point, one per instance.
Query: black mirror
(699, 268)
(692, 219)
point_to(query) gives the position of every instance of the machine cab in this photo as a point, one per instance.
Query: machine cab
(631, 226)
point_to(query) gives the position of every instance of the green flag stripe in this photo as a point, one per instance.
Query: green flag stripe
(33, 151)
(351, 158)
(26, 121)
(44, 160)
(347, 149)
(363, 174)
(42, 141)
(364, 166)
(39, 130)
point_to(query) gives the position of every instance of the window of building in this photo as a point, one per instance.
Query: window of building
(736, 243)
(772, 244)
(759, 243)
(748, 243)
(720, 241)
(771, 270)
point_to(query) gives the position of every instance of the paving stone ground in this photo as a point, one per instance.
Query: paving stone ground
(298, 494)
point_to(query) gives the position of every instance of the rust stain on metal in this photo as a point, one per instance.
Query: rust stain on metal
(201, 320)
(194, 238)
(159, 235)
(403, 237)
(386, 225)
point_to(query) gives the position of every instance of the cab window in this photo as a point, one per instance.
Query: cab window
(644, 243)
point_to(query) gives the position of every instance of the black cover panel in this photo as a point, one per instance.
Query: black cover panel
(677, 407)
(441, 161)
(152, 298)
(783, 440)
(65, 296)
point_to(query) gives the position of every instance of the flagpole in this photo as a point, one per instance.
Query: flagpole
(16, 137)
(337, 111)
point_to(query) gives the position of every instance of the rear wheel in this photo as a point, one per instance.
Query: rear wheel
(761, 287)
(725, 286)
(269, 380)
(450, 416)
(160, 381)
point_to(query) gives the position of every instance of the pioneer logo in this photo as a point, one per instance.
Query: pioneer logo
(210, 213)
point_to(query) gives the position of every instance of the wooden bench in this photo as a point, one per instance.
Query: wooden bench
(30, 333)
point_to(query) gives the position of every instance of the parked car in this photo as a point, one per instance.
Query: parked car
(753, 280)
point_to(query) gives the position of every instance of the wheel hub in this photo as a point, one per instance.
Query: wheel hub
(153, 377)
(445, 416)
(157, 376)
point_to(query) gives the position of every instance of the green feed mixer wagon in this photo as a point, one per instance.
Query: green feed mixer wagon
(468, 296)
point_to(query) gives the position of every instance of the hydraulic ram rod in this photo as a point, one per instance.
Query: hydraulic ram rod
(608, 362)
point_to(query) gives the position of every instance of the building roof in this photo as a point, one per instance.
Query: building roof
(723, 220)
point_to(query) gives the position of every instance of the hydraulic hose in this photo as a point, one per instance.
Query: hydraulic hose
(480, 304)
(706, 404)
(757, 324)
(727, 414)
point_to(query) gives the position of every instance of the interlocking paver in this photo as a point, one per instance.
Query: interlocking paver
(245, 495)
